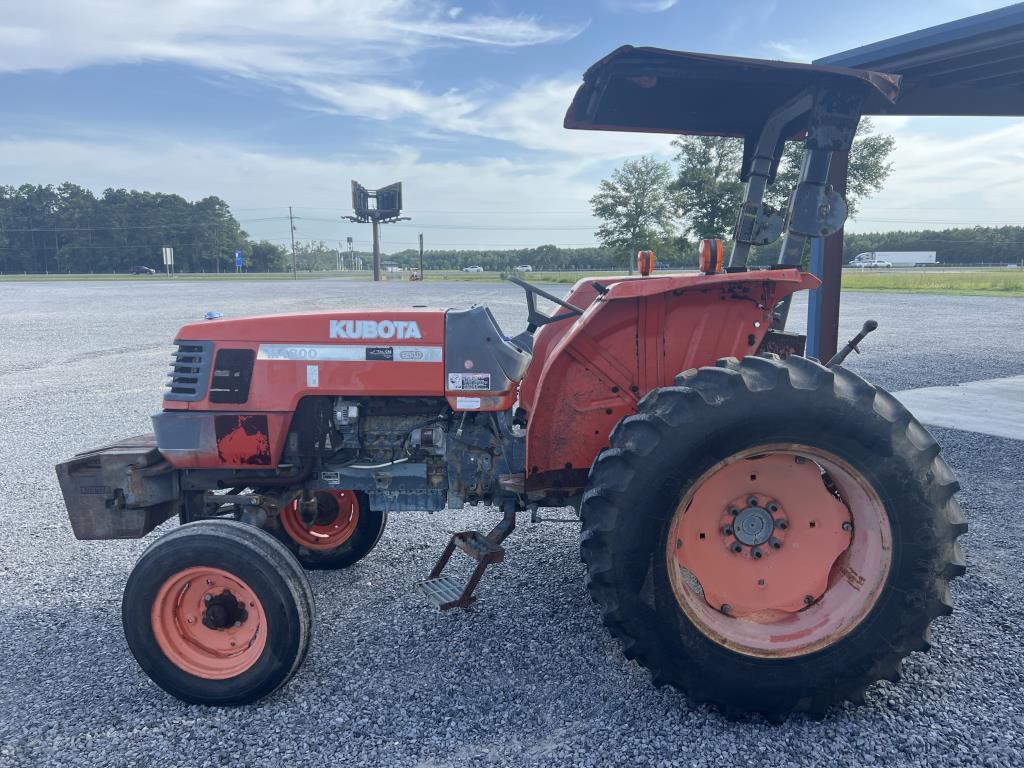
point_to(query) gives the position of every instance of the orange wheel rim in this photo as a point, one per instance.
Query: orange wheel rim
(779, 551)
(209, 623)
(337, 519)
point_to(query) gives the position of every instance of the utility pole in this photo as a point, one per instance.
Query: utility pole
(376, 251)
(351, 255)
(421, 255)
(291, 222)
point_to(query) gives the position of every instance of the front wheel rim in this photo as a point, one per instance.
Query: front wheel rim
(336, 521)
(209, 623)
(779, 551)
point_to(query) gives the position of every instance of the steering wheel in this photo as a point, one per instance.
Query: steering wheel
(534, 317)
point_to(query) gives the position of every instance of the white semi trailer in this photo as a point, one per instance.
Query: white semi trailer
(875, 259)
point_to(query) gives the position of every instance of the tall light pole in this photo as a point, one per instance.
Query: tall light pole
(291, 222)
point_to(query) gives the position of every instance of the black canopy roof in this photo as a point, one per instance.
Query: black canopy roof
(660, 91)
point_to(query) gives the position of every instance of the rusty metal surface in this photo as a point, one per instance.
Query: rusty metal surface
(782, 343)
(121, 491)
(486, 550)
(661, 91)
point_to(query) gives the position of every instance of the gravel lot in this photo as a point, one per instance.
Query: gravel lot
(530, 676)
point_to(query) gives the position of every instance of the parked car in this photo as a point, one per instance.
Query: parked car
(473, 269)
(524, 268)
(140, 270)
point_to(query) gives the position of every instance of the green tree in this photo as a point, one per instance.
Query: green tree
(635, 207)
(265, 256)
(707, 185)
(709, 191)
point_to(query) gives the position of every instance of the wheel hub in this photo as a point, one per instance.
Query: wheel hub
(223, 611)
(754, 526)
(776, 542)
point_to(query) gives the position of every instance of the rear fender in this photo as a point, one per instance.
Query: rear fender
(633, 339)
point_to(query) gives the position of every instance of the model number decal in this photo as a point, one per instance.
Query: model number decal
(348, 353)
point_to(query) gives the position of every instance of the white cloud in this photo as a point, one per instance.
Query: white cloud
(268, 38)
(790, 51)
(345, 55)
(530, 116)
(640, 6)
(941, 181)
(249, 180)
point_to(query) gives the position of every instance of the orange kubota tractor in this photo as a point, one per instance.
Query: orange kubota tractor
(763, 531)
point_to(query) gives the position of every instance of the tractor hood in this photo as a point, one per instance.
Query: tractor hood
(413, 327)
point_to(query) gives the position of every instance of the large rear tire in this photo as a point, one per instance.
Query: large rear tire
(345, 531)
(771, 535)
(218, 612)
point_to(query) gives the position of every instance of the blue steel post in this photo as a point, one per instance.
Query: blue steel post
(827, 265)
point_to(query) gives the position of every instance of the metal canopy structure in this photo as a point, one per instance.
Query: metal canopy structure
(970, 67)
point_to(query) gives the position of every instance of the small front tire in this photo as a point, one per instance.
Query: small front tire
(218, 612)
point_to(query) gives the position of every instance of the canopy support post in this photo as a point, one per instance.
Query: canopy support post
(827, 266)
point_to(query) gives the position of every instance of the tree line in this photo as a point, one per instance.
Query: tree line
(645, 204)
(67, 228)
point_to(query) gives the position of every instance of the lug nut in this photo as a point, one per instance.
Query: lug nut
(808, 599)
(774, 543)
(725, 608)
(847, 526)
(733, 511)
(737, 547)
(781, 525)
(727, 530)
(752, 501)
(756, 554)
(773, 507)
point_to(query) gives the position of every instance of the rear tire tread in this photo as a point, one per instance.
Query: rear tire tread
(608, 505)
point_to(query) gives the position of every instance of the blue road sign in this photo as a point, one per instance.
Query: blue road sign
(238, 259)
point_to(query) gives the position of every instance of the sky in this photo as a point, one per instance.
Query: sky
(271, 104)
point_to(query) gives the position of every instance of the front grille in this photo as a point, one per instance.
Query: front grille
(232, 374)
(190, 371)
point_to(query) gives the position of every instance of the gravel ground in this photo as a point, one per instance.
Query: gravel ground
(530, 676)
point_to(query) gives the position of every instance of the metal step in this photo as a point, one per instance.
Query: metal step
(479, 547)
(444, 591)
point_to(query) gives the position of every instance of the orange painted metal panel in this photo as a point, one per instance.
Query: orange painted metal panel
(637, 337)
